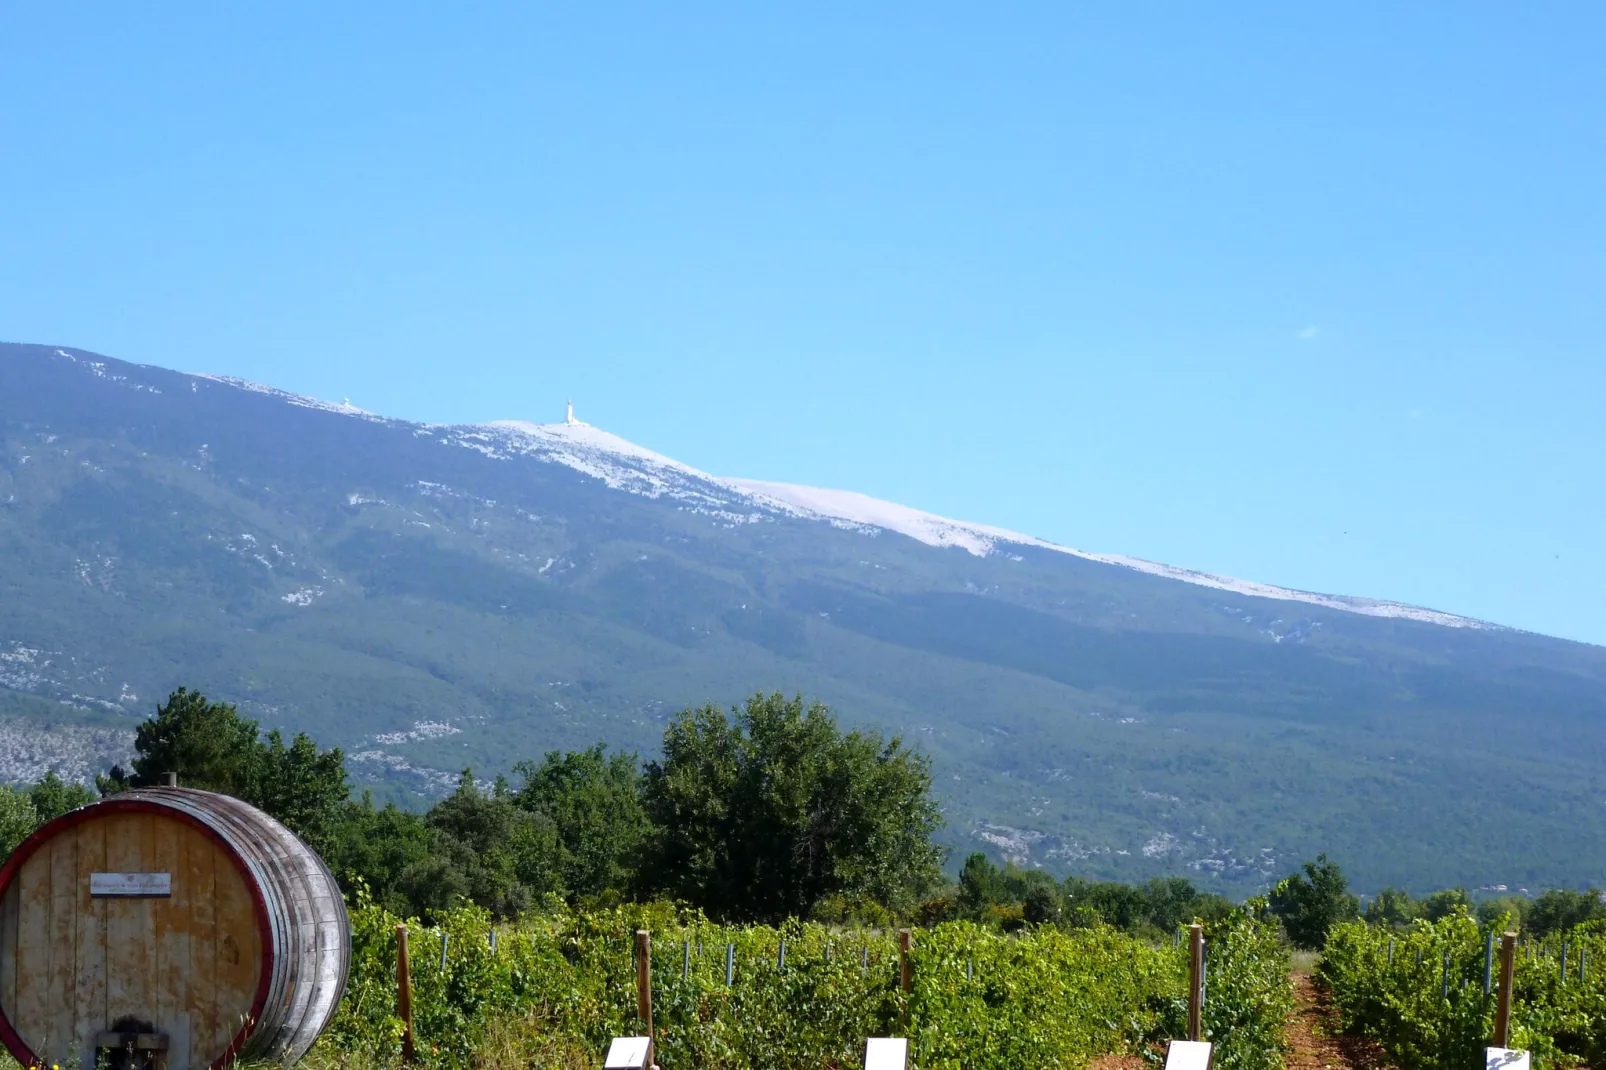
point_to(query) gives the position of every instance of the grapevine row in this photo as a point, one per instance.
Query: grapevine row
(1427, 994)
(553, 990)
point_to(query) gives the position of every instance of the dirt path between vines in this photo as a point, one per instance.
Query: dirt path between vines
(1313, 1036)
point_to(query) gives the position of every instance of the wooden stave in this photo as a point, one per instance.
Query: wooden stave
(309, 956)
(306, 938)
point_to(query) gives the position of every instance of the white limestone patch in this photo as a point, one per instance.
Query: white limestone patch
(1160, 845)
(29, 750)
(21, 667)
(421, 730)
(376, 764)
(1013, 843)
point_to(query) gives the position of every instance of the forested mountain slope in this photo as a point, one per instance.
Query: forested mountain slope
(431, 597)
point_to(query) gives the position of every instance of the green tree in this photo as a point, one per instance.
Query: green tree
(1559, 909)
(208, 744)
(1311, 902)
(387, 850)
(594, 803)
(1170, 902)
(211, 747)
(303, 787)
(770, 810)
(1008, 896)
(18, 818)
(53, 796)
(1213, 908)
(1507, 911)
(1042, 902)
(1110, 902)
(507, 857)
(981, 884)
(1393, 907)
(1442, 904)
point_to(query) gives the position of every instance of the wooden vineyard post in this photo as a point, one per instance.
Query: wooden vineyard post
(1502, 1013)
(906, 972)
(644, 978)
(1195, 979)
(404, 992)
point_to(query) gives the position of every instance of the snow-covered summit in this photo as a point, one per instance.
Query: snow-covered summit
(343, 407)
(620, 464)
(848, 507)
(623, 465)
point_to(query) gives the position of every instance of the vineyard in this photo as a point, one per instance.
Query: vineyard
(551, 991)
(1428, 995)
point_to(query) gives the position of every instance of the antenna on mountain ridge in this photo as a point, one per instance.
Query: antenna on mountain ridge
(569, 419)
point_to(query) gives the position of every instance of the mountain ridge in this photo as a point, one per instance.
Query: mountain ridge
(852, 507)
(435, 596)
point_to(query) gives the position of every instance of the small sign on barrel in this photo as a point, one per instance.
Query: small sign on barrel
(130, 885)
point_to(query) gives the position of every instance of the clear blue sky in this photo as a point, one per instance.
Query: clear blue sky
(1307, 296)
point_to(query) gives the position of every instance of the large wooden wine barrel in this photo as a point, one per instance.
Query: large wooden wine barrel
(168, 926)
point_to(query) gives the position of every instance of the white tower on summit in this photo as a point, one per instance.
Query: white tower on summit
(569, 419)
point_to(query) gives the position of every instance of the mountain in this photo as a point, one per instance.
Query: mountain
(432, 597)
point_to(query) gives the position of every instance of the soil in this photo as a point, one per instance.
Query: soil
(1313, 1035)
(1118, 1062)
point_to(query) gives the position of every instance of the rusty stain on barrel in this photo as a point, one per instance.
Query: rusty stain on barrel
(243, 956)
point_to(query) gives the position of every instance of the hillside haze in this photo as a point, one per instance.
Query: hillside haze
(434, 597)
